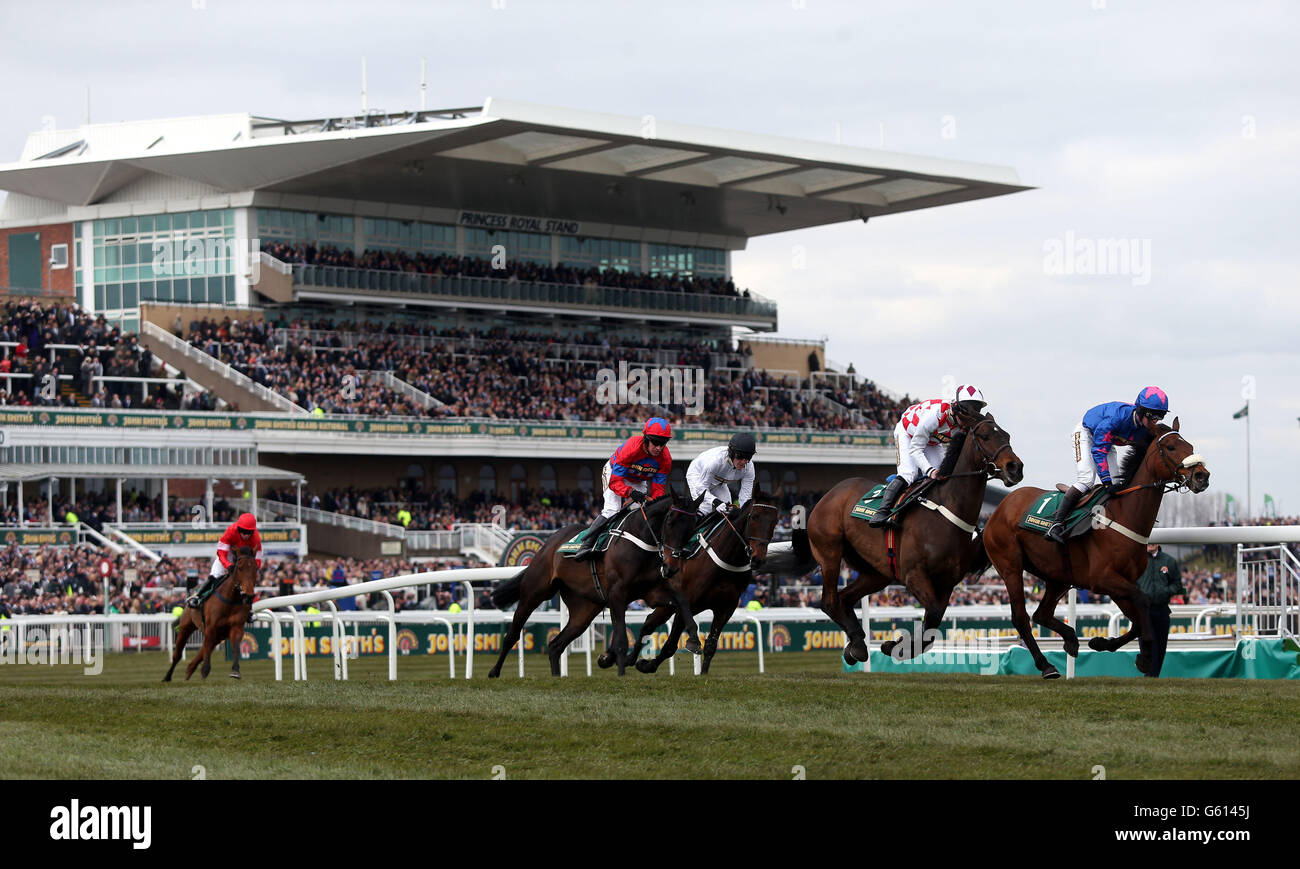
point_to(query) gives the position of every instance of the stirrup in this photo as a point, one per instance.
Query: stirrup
(1056, 533)
(192, 601)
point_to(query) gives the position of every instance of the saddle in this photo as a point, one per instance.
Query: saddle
(568, 549)
(1038, 517)
(869, 504)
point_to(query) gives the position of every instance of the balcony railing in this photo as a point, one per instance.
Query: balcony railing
(534, 293)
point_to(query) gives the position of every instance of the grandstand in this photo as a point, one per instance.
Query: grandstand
(412, 310)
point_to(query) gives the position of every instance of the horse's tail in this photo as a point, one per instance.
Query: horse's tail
(508, 592)
(802, 549)
(980, 560)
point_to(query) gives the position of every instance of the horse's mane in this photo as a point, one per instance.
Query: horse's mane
(954, 451)
(1130, 464)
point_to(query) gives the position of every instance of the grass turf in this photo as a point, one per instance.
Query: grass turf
(57, 723)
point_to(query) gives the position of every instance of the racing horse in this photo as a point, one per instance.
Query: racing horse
(220, 617)
(629, 569)
(1107, 559)
(934, 550)
(713, 578)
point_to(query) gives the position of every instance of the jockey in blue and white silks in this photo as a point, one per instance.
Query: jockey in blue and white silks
(1104, 428)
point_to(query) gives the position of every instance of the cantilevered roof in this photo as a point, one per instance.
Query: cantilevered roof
(513, 158)
(28, 472)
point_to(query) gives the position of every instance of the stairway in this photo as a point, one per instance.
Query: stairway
(66, 389)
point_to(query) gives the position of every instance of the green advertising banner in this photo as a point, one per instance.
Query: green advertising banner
(182, 535)
(39, 536)
(737, 636)
(55, 418)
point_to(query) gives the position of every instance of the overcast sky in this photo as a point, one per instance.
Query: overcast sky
(1176, 125)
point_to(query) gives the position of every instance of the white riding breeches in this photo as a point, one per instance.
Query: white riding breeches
(218, 569)
(613, 500)
(907, 468)
(1086, 475)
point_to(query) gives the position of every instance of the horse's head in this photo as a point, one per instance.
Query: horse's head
(760, 524)
(993, 445)
(245, 573)
(1170, 458)
(678, 528)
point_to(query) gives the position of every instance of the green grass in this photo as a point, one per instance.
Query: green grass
(57, 723)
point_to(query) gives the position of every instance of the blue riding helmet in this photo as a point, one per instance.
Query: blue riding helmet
(1153, 399)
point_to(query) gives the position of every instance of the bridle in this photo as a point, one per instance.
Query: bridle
(988, 463)
(742, 539)
(244, 599)
(1176, 480)
(664, 548)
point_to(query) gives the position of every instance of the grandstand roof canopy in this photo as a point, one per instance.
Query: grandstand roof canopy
(513, 158)
(28, 472)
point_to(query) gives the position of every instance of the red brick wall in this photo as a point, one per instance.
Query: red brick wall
(51, 234)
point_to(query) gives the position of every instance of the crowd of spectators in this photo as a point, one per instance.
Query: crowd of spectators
(499, 374)
(477, 267)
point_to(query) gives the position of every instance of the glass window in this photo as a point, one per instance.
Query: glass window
(584, 479)
(447, 479)
(546, 478)
(114, 299)
(487, 479)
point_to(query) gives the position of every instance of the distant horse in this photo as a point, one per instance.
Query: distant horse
(1106, 560)
(221, 617)
(934, 550)
(632, 567)
(713, 579)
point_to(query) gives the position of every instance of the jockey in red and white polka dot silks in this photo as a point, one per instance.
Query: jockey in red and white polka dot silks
(922, 438)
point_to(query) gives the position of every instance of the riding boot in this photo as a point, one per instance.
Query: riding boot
(1057, 532)
(194, 599)
(892, 491)
(589, 542)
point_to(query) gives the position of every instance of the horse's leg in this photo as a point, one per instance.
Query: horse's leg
(581, 613)
(183, 631)
(209, 644)
(529, 601)
(688, 621)
(868, 582)
(235, 637)
(1133, 603)
(922, 589)
(1008, 563)
(829, 555)
(721, 615)
(1045, 615)
(655, 619)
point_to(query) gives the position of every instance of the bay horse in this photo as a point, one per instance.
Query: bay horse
(221, 617)
(629, 569)
(934, 550)
(713, 579)
(1106, 560)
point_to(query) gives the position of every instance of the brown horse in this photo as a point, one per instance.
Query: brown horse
(934, 550)
(1107, 560)
(713, 579)
(629, 569)
(221, 617)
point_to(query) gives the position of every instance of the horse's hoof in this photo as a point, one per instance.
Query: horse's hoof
(1051, 673)
(694, 647)
(235, 676)
(1072, 649)
(494, 674)
(1143, 662)
(858, 649)
(646, 666)
(886, 648)
(1098, 644)
(604, 662)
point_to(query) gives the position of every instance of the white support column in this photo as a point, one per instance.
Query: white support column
(298, 486)
(252, 488)
(207, 498)
(72, 491)
(119, 500)
(49, 503)
(22, 516)
(166, 516)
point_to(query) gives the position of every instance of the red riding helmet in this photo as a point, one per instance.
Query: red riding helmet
(658, 430)
(247, 522)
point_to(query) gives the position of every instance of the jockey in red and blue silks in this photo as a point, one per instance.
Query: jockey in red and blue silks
(638, 471)
(1105, 427)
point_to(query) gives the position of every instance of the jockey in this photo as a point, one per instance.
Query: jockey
(639, 466)
(1106, 426)
(242, 532)
(922, 438)
(713, 469)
